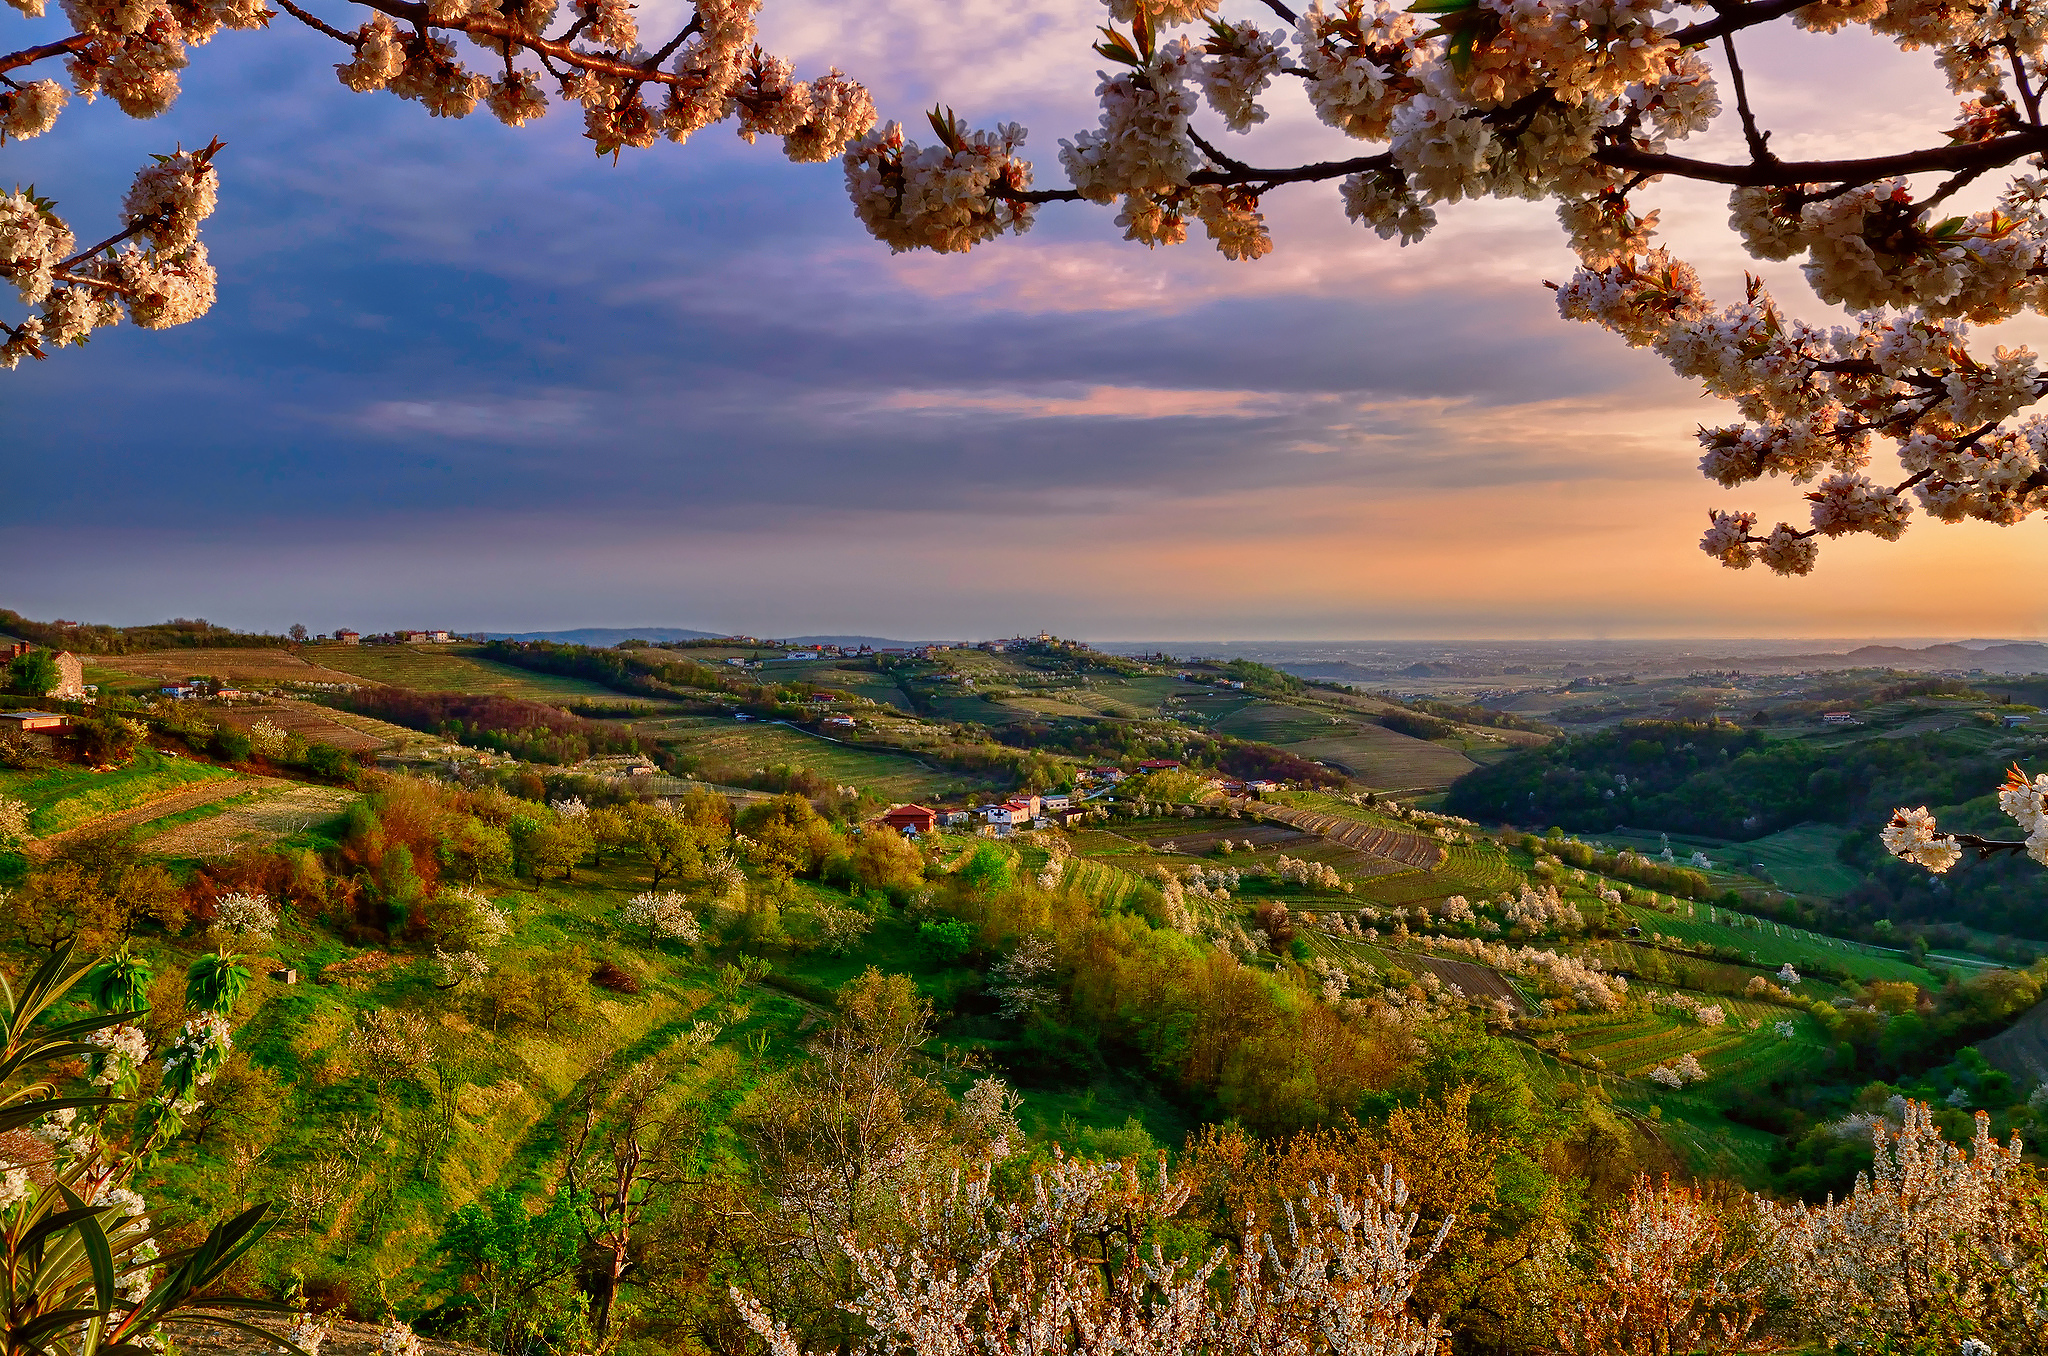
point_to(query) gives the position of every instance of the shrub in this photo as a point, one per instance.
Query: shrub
(609, 976)
(945, 940)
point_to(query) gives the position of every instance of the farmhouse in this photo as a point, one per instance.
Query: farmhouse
(44, 722)
(348, 637)
(1056, 803)
(1158, 765)
(911, 820)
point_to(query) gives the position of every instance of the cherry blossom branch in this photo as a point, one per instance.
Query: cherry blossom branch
(512, 31)
(1989, 847)
(1982, 155)
(136, 228)
(668, 49)
(28, 56)
(1289, 15)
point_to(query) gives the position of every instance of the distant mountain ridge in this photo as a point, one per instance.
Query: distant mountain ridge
(2021, 656)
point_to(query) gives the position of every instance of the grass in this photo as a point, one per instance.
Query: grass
(68, 796)
(1385, 761)
(454, 668)
(1802, 860)
(749, 745)
(1772, 944)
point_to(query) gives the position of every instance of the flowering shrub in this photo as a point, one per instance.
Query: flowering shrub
(268, 739)
(14, 829)
(666, 917)
(981, 1273)
(250, 916)
(1933, 1238)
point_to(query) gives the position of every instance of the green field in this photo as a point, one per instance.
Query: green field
(1379, 758)
(758, 745)
(451, 668)
(1769, 943)
(68, 795)
(1800, 860)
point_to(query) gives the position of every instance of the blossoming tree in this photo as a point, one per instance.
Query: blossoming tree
(590, 52)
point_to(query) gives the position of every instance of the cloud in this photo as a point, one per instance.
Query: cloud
(484, 366)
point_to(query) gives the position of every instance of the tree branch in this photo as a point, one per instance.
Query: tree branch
(1289, 15)
(312, 21)
(512, 31)
(696, 25)
(2028, 96)
(28, 56)
(1735, 18)
(1983, 155)
(1759, 142)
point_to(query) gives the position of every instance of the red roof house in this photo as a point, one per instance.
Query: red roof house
(912, 819)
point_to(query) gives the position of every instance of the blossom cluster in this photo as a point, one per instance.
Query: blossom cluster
(1928, 1222)
(125, 1049)
(1298, 871)
(1706, 1014)
(1581, 979)
(1681, 1071)
(1541, 910)
(938, 197)
(240, 914)
(664, 915)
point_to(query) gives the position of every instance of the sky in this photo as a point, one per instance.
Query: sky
(462, 375)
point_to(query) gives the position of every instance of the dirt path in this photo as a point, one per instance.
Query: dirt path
(175, 802)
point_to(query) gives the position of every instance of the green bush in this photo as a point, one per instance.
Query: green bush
(945, 940)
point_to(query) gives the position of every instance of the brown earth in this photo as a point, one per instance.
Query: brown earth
(314, 724)
(174, 803)
(291, 808)
(346, 1339)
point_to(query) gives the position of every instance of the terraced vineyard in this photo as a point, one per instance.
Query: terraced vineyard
(1105, 884)
(1400, 845)
(1481, 869)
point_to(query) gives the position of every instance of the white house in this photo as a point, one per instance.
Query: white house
(1056, 802)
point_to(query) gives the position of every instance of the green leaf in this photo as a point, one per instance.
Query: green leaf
(1441, 6)
(101, 1255)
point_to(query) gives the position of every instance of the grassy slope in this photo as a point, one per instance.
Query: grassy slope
(453, 668)
(757, 744)
(68, 795)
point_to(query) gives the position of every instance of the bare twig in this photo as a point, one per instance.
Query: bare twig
(312, 21)
(1759, 142)
(28, 56)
